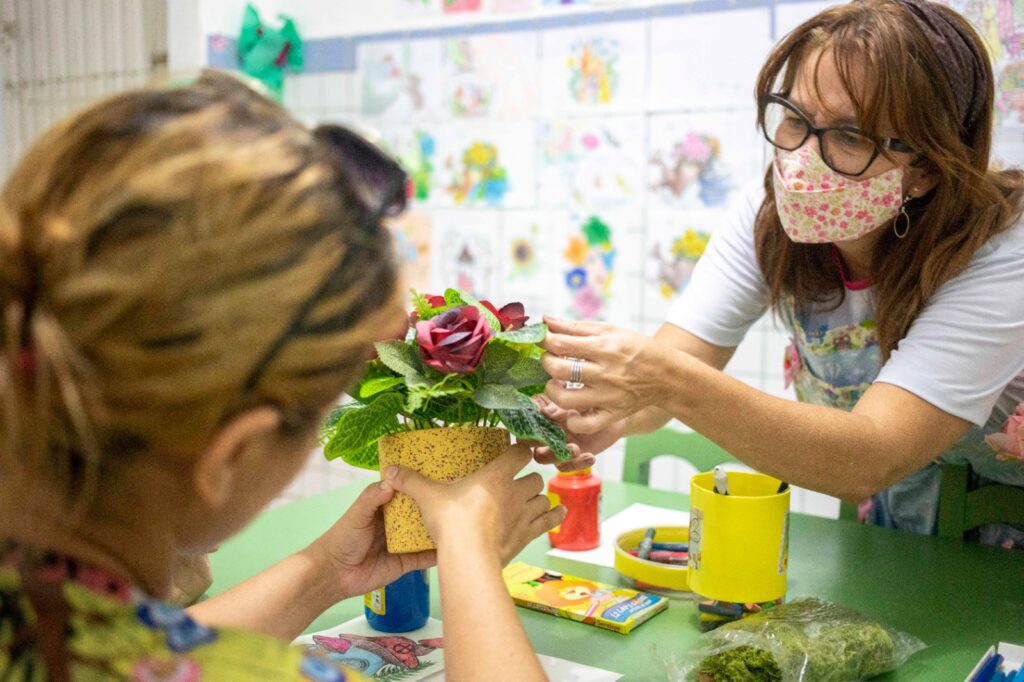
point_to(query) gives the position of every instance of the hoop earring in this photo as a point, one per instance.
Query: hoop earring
(905, 218)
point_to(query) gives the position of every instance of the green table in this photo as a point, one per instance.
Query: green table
(957, 597)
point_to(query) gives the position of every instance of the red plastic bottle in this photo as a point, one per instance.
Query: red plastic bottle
(580, 492)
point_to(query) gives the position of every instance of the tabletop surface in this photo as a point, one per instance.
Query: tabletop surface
(959, 598)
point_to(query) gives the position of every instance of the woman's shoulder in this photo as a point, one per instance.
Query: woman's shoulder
(1006, 243)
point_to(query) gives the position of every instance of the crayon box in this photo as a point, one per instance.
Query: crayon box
(605, 606)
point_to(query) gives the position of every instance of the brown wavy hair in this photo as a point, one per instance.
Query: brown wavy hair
(892, 75)
(152, 248)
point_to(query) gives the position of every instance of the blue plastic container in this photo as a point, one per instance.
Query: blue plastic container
(401, 606)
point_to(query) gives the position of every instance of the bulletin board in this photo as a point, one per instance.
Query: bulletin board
(577, 157)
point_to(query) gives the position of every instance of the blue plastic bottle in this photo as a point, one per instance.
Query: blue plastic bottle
(401, 606)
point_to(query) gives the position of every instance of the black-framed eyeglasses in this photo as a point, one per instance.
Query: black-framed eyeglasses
(845, 149)
(380, 182)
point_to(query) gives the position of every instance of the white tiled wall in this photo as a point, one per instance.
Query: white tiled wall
(329, 97)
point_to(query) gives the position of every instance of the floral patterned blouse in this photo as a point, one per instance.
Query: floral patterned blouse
(64, 620)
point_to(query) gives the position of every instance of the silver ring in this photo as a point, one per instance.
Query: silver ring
(575, 381)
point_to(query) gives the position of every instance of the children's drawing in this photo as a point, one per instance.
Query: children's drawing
(386, 657)
(590, 255)
(465, 251)
(412, 236)
(457, 6)
(482, 164)
(381, 658)
(528, 270)
(415, 149)
(699, 160)
(674, 262)
(1010, 92)
(598, 67)
(399, 80)
(591, 162)
(691, 168)
(674, 243)
(478, 176)
(491, 75)
(593, 74)
(707, 61)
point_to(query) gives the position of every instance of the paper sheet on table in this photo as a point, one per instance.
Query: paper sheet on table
(561, 670)
(632, 517)
(382, 657)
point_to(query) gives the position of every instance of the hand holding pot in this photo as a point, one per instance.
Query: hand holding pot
(489, 509)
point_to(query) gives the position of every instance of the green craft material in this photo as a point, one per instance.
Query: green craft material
(266, 53)
(808, 640)
(741, 664)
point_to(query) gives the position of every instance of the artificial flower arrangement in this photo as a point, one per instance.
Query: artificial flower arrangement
(437, 400)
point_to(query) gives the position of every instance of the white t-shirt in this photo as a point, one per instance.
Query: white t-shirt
(964, 353)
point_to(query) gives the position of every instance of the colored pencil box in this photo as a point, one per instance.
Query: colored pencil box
(587, 601)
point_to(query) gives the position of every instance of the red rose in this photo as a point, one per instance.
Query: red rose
(434, 301)
(510, 317)
(454, 341)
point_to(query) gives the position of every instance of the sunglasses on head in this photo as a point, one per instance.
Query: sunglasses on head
(380, 184)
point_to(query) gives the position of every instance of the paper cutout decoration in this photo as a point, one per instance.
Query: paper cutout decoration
(266, 52)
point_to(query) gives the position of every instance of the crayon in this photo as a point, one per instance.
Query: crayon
(663, 557)
(645, 544)
(671, 546)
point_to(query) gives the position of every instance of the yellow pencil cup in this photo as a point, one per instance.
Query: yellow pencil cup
(739, 543)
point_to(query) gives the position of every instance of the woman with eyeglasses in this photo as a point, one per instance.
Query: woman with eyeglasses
(889, 249)
(189, 278)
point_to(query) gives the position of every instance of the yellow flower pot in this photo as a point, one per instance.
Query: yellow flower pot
(443, 454)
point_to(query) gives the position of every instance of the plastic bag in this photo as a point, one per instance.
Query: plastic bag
(806, 640)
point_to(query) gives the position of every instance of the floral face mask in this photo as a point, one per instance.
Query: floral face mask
(817, 205)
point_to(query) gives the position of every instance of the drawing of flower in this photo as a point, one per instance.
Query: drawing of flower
(576, 253)
(576, 278)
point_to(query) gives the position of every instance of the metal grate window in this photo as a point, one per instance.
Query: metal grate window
(56, 55)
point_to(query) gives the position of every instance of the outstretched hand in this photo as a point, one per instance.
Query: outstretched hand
(620, 376)
(584, 446)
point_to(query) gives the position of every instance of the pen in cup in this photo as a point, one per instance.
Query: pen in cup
(721, 481)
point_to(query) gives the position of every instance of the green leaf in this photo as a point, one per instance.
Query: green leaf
(497, 396)
(360, 427)
(330, 424)
(453, 297)
(491, 318)
(421, 305)
(421, 393)
(531, 333)
(379, 385)
(526, 372)
(498, 359)
(528, 422)
(399, 357)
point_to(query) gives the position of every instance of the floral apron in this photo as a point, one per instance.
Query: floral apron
(834, 367)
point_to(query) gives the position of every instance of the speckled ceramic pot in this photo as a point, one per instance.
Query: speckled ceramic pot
(446, 454)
